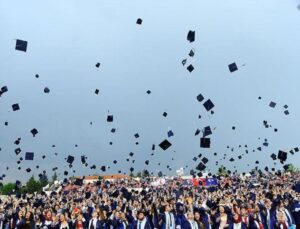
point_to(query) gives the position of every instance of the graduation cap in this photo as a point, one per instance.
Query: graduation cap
(286, 112)
(136, 135)
(29, 156)
(3, 90)
(103, 168)
(165, 114)
(170, 133)
(113, 130)
(208, 104)
(191, 36)
(272, 104)
(93, 167)
(201, 166)
(282, 155)
(70, 159)
(147, 162)
(46, 90)
(153, 147)
(204, 160)
(205, 142)
(139, 21)
(231, 159)
(34, 132)
(273, 156)
(66, 173)
(97, 65)
(6, 123)
(296, 149)
(200, 98)
(192, 53)
(197, 132)
(195, 159)
(115, 161)
(131, 154)
(97, 91)
(17, 142)
(21, 45)
(15, 107)
(110, 118)
(44, 156)
(165, 144)
(148, 92)
(183, 62)
(28, 170)
(131, 169)
(207, 131)
(190, 68)
(232, 67)
(18, 151)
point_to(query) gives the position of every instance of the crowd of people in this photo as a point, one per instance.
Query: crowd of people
(236, 203)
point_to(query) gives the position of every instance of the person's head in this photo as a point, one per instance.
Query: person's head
(117, 215)
(268, 203)
(197, 216)
(141, 215)
(62, 218)
(79, 217)
(281, 216)
(95, 214)
(20, 213)
(190, 215)
(221, 209)
(236, 218)
(29, 216)
(48, 215)
(167, 208)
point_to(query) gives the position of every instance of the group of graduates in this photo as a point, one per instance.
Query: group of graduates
(272, 203)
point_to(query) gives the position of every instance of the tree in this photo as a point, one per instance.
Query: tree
(222, 171)
(292, 169)
(8, 188)
(33, 185)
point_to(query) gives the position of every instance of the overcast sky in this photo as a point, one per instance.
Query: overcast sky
(67, 38)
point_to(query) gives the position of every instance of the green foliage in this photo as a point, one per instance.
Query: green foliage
(43, 180)
(7, 188)
(292, 168)
(222, 171)
(142, 174)
(54, 177)
(33, 185)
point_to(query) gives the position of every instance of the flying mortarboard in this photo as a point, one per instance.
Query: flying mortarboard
(139, 21)
(70, 159)
(15, 107)
(165, 144)
(232, 67)
(208, 105)
(205, 142)
(34, 132)
(29, 156)
(46, 90)
(110, 118)
(272, 104)
(190, 68)
(191, 36)
(21, 45)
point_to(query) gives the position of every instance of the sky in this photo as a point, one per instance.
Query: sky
(67, 38)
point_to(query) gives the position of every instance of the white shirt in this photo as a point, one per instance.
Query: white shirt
(94, 223)
(143, 223)
(193, 224)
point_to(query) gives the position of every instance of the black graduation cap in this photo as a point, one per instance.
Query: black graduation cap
(165, 114)
(200, 98)
(21, 45)
(66, 173)
(15, 107)
(201, 166)
(34, 132)
(190, 68)
(97, 65)
(115, 161)
(110, 118)
(204, 160)
(131, 154)
(273, 156)
(208, 104)
(17, 151)
(191, 36)
(231, 159)
(148, 92)
(139, 21)
(113, 130)
(282, 155)
(70, 159)
(103, 168)
(29, 156)
(93, 167)
(131, 169)
(3, 90)
(207, 131)
(195, 159)
(28, 170)
(183, 62)
(44, 156)
(97, 91)
(205, 142)
(17, 142)
(272, 104)
(232, 67)
(147, 162)
(153, 146)
(286, 112)
(296, 149)
(165, 144)
(46, 90)
(6, 123)
(197, 132)
(136, 135)
(192, 53)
